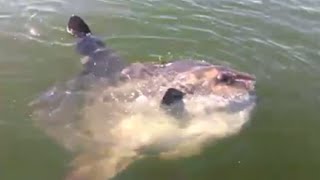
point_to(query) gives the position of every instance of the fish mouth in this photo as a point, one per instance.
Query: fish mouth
(243, 86)
(231, 83)
(247, 80)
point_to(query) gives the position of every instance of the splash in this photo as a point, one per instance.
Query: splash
(110, 127)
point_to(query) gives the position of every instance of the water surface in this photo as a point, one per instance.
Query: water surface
(278, 41)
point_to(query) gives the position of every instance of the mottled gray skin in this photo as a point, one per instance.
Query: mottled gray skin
(153, 78)
(143, 70)
(101, 61)
(191, 77)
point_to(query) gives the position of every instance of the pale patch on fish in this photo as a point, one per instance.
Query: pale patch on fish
(121, 132)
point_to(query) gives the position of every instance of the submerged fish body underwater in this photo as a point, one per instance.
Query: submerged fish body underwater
(110, 126)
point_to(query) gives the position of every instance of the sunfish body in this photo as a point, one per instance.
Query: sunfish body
(130, 110)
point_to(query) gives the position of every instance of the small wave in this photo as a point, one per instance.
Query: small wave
(197, 29)
(150, 37)
(5, 16)
(165, 17)
(39, 40)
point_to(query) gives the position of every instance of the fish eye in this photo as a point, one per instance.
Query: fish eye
(225, 78)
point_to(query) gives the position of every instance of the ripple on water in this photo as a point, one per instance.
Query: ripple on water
(150, 37)
(5, 16)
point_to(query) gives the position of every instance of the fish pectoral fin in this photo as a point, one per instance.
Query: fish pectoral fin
(172, 96)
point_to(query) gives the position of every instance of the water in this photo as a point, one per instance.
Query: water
(276, 41)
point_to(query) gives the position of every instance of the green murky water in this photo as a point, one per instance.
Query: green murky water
(278, 41)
